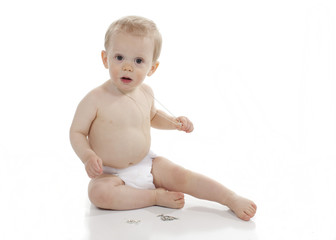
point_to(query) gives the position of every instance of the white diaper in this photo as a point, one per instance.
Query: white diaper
(138, 175)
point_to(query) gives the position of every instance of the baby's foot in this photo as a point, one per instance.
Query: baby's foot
(242, 207)
(169, 199)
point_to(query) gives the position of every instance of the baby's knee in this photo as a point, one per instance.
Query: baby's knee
(98, 195)
(102, 191)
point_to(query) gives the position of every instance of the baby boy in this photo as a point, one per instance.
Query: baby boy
(110, 132)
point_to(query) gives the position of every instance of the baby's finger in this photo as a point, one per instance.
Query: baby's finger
(95, 165)
(99, 166)
(186, 125)
(183, 122)
(93, 174)
(190, 127)
(90, 168)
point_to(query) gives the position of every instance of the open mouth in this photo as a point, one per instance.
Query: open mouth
(126, 79)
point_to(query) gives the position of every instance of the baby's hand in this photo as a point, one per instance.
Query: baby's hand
(184, 124)
(94, 166)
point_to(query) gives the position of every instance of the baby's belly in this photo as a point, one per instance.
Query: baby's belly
(120, 148)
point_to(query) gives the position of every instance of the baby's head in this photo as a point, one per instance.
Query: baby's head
(138, 26)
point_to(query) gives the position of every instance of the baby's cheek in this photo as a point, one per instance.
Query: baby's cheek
(114, 73)
(141, 75)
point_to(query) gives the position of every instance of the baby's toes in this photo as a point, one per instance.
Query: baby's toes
(179, 199)
(251, 211)
(245, 216)
(254, 206)
(249, 214)
(180, 203)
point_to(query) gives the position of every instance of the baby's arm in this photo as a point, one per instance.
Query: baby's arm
(84, 116)
(161, 120)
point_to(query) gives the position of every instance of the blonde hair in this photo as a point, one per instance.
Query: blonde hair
(138, 26)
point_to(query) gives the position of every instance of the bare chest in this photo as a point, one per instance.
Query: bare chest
(125, 112)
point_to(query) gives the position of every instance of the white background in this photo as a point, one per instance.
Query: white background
(257, 78)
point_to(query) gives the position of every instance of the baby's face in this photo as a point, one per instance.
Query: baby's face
(129, 60)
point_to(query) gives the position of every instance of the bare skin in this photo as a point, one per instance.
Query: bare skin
(111, 127)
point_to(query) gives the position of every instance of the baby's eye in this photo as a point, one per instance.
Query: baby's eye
(119, 57)
(139, 60)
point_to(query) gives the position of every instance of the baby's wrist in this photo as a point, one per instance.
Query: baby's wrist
(89, 155)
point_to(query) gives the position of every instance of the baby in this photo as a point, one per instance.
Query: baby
(110, 132)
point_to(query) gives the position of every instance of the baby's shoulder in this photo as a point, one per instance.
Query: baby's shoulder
(93, 97)
(97, 92)
(147, 90)
(94, 94)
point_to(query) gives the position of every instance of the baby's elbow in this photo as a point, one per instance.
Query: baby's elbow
(74, 133)
(153, 123)
(153, 117)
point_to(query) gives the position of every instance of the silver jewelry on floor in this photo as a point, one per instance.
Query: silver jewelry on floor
(166, 217)
(133, 221)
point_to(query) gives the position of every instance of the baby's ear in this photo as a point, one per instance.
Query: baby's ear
(104, 58)
(153, 69)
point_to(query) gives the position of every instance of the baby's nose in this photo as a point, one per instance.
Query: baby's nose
(127, 67)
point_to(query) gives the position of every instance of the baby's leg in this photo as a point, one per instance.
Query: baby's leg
(109, 192)
(175, 178)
